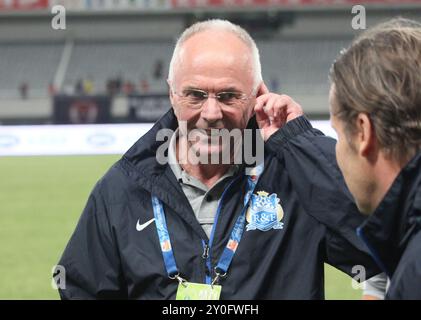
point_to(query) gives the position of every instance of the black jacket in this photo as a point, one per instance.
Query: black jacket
(393, 233)
(108, 258)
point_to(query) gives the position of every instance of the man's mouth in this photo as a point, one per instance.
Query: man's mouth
(209, 136)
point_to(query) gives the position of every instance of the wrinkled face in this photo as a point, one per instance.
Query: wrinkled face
(352, 165)
(214, 62)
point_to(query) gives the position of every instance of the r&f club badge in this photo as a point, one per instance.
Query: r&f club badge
(265, 212)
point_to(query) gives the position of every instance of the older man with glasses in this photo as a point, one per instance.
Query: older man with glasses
(214, 229)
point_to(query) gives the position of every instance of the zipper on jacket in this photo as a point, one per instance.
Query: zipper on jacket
(205, 250)
(205, 255)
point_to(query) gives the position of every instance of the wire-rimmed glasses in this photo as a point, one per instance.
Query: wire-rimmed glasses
(195, 98)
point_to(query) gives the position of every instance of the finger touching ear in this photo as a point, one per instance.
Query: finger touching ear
(262, 90)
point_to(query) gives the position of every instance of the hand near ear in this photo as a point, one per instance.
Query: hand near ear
(274, 110)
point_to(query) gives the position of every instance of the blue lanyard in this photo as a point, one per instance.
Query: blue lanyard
(164, 237)
(229, 250)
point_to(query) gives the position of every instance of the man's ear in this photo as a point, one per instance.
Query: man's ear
(170, 93)
(262, 89)
(171, 96)
(366, 137)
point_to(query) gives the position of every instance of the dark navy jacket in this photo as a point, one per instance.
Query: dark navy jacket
(393, 233)
(107, 257)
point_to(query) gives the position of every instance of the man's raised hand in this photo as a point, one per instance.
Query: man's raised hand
(274, 110)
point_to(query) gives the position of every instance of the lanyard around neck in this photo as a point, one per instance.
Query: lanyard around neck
(231, 246)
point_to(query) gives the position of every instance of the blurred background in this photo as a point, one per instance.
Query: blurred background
(73, 100)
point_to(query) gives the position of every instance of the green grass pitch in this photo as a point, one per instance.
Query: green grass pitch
(41, 199)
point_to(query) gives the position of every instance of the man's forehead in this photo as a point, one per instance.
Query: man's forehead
(214, 59)
(214, 79)
(223, 86)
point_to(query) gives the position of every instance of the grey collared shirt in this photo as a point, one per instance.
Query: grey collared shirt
(203, 200)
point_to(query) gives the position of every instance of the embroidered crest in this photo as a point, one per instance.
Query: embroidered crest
(265, 212)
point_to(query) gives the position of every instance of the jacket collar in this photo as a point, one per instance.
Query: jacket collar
(396, 219)
(141, 166)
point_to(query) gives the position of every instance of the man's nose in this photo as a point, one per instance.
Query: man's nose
(211, 110)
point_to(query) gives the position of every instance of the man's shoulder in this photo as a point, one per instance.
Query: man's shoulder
(115, 182)
(300, 134)
(411, 258)
(406, 281)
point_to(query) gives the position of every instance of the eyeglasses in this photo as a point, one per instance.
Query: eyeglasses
(195, 98)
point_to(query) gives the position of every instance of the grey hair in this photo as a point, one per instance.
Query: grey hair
(220, 25)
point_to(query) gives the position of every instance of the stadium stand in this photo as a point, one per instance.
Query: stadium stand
(31, 63)
(295, 66)
(297, 48)
(300, 65)
(132, 60)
